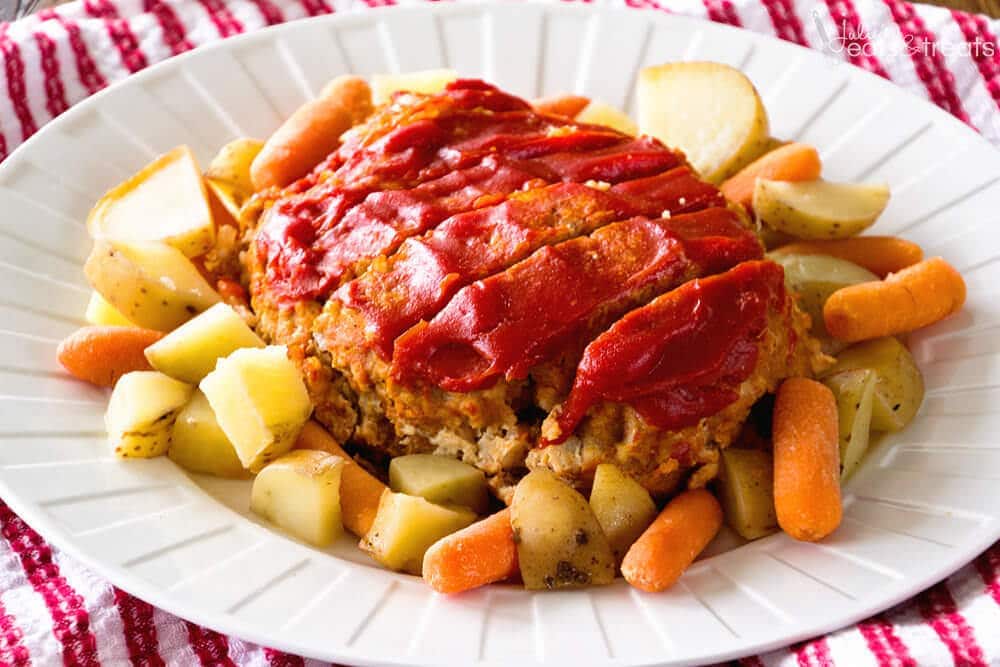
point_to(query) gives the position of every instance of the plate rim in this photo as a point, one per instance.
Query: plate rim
(36, 516)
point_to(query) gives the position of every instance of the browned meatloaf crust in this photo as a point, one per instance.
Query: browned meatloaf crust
(441, 277)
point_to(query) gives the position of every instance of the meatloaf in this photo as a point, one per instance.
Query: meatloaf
(470, 277)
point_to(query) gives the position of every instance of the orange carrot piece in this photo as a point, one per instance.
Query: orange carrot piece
(671, 543)
(232, 292)
(102, 354)
(311, 133)
(360, 492)
(881, 255)
(915, 297)
(562, 105)
(806, 460)
(791, 162)
(475, 556)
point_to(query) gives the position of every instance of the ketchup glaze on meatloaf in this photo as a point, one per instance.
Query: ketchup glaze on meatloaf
(470, 277)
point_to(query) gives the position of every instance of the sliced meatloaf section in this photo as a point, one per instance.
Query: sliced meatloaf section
(670, 383)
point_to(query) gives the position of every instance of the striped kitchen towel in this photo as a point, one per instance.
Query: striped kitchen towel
(54, 610)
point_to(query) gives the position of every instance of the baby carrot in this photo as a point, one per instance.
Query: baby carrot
(915, 297)
(806, 460)
(475, 556)
(311, 133)
(562, 105)
(102, 354)
(671, 543)
(791, 162)
(881, 255)
(360, 492)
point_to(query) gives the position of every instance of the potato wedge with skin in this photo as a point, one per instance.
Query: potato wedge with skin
(102, 313)
(151, 284)
(199, 444)
(710, 111)
(190, 352)
(622, 506)
(405, 527)
(746, 491)
(427, 81)
(228, 175)
(141, 413)
(166, 201)
(818, 209)
(599, 113)
(855, 393)
(260, 401)
(560, 543)
(440, 479)
(899, 386)
(300, 493)
(814, 278)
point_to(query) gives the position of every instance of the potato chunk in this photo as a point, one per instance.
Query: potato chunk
(228, 175)
(199, 444)
(190, 352)
(622, 506)
(746, 492)
(428, 81)
(141, 413)
(708, 110)
(149, 283)
(814, 278)
(818, 209)
(440, 479)
(560, 543)
(165, 201)
(599, 113)
(899, 386)
(102, 313)
(855, 393)
(406, 526)
(300, 493)
(260, 401)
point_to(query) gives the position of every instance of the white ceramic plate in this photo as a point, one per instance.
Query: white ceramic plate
(926, 502)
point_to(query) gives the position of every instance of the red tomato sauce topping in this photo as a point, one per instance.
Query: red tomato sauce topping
(506, 324)
(400, 175)
(427, 271)
(682, 357)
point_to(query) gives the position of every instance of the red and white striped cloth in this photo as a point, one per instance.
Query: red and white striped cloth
(52, 609)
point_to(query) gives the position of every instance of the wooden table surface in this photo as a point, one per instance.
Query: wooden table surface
(988, 7)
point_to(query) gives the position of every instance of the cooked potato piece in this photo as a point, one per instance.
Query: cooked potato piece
(300, 493)
(708, 110)
(440, 479)
(189, 352)
(149, 283)
(855, 392)
(899, 386)
(198, 443)
(228, 175)
(406, 526)
(102, 313)
(560, 543)
(814, 278)
(746, 491)
(426, 81)
(260, 401)
(818, 209)
(599, 113)
(166, 201)
(622, 506)
(141, 413)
